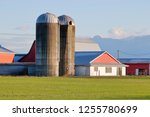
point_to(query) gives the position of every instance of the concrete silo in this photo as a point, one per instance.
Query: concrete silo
(67, 45)
(47, 45)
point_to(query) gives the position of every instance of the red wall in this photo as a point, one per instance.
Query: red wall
(6, 57)
(131, 69)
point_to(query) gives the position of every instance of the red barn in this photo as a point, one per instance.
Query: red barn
(6, 56)
(137, 66)
(30, 57)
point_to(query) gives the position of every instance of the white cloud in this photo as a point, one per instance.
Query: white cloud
(121, 33)
(118, 33)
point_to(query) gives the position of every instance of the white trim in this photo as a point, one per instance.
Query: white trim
(109, 64)
(108, 54)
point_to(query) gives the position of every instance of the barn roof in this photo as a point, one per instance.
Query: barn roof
(134, 60)
(84, 58)
(5, 50)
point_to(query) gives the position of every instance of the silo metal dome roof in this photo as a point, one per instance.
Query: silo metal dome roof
(65, 20)
(47, 18)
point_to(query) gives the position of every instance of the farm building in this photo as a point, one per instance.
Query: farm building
(53, 53)
(89, 63)
(137, 66)
(85, 44)
(99, 63)
(6, 56)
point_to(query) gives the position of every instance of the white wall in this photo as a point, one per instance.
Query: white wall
(89, 71)
(102, 71)
(123, 71)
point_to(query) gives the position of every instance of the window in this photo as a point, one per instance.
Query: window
(95, 68)
(70, 23)
(108, 69)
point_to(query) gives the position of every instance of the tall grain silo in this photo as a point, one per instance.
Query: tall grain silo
(47, 45)
(67, 46)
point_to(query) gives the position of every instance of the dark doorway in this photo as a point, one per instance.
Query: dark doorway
(142, 72)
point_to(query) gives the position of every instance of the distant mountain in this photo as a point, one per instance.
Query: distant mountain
(131, 47)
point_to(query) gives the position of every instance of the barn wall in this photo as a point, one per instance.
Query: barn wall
(82, 71)
(17, 69)
(32, 70)
(13, 69)
(149, 69)
(131, 70)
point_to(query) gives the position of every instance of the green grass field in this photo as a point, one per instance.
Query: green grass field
(48, 88)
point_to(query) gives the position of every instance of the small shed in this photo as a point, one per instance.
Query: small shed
(6, 56)
(98, 63)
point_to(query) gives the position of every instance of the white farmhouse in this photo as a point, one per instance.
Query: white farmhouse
(98, 63)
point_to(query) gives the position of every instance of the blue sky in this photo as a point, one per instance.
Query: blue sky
(108, 18)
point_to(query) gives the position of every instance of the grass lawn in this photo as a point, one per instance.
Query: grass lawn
(24, 87)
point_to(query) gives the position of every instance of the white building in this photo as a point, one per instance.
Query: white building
(99, 63)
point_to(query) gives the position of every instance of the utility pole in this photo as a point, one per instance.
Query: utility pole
(118, 54)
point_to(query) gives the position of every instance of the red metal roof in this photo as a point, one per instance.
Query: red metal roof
(6, 56)
(105, 58)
